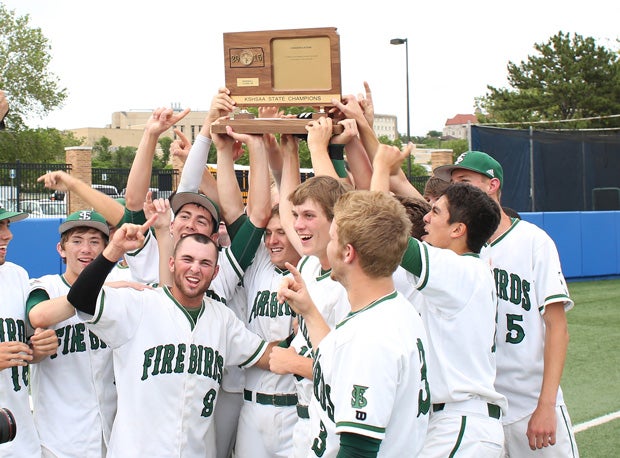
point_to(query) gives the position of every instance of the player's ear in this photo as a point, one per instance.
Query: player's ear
(171, 263)
(494, 186)
(459, 230)
(349, 253)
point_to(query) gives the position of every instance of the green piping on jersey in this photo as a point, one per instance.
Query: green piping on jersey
(147, 237)
(324, 274)
(392, 295)
(375, 429)
(515, 221)
(280, 271)
(101, 305)
(64, 280)
(254, 355)
(189, 317)
(233, 262)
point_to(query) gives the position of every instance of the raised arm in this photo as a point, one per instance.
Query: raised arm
(386, 164)
(194, 175)
(139, 179)
(231, 201)
(259, 198)
(59, 180)
(290, 180)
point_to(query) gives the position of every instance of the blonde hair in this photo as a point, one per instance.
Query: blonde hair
(377, 226)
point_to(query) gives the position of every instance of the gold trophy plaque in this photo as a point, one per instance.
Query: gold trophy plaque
(284, 68)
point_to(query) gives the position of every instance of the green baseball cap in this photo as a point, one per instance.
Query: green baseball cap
(13, 216)
(85, 218)
(476, 161)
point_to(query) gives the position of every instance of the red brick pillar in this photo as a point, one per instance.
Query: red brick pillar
(79, 157)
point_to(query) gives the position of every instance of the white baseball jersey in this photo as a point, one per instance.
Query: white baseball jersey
(120, 272)
(459, 317)
(168, 369)
(370, 379)
(144, 265)
(73, 392)
(331, 299)
(266, 430)
(267, 318)
(528, 276)
(14, 380)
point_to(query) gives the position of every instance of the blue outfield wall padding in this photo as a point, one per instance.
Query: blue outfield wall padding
(533, 217)
(34, 246)
(565, 229)
(599, 243)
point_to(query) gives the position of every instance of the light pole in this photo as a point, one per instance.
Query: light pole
(400, 41)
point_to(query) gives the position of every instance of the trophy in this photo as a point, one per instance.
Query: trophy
(283, 68)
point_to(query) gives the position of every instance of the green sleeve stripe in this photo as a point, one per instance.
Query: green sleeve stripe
(254, 355)
(246, 243)
(374, 429)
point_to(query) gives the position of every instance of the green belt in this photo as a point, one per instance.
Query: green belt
(494, 410)
(279, 400)
(302, 411)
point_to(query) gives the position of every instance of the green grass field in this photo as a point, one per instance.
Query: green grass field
(591, 380)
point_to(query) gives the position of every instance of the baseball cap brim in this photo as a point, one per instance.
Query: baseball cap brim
(13, 216)
(445, 171)
(181, 198)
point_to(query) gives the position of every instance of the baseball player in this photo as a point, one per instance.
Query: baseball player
(170, 347)
(306, 217)
(459, 316)
(269, 412)
(532, 332)
(15, 351)
(381, 406)
(75, 419)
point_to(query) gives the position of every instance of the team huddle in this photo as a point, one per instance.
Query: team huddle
(344, 316)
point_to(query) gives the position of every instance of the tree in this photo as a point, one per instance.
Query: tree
(24, 60)
(102, 153)
(570, 77)
(36, 145)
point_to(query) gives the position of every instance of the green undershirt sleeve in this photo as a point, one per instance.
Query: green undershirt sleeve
(234, 227)
(358, 446)
(35, 297)
(246, 242)
(412, 259)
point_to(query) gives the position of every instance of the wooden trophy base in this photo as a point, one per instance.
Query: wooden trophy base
(267, 126)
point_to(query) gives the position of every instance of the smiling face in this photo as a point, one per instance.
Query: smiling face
(192, 219)
(5, 237)
(277, 243)
(78, 247)
(312, 227)
(194, 266)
